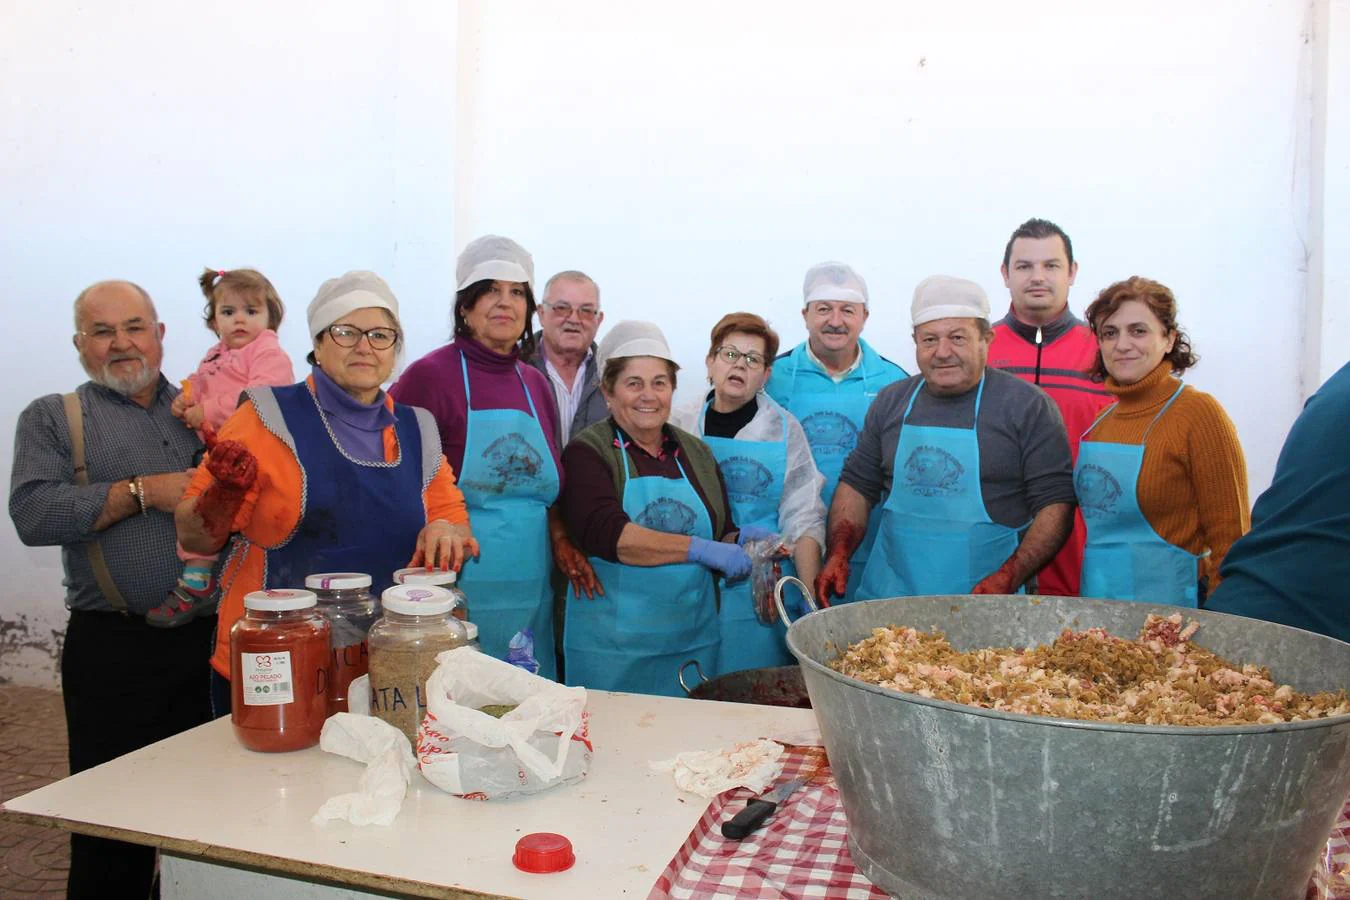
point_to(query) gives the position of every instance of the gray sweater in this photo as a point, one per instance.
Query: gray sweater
(1024, 450)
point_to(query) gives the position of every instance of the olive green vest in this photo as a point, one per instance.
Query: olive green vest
(699, 463)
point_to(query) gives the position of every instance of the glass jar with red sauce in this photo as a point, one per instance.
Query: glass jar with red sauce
(446, 580)
(279, 671)
(346, 602)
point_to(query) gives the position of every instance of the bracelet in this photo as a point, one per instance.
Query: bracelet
(138, 489)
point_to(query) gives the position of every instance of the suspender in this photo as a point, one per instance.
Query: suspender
(75, 419)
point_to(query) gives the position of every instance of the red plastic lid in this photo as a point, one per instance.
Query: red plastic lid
(544, 852)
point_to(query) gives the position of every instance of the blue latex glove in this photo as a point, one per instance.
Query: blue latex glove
(754, 533)
(729, 559)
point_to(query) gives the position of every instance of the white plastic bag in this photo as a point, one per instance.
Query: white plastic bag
(541, 743)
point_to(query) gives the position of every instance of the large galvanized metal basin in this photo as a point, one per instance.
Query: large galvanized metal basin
(948, 801)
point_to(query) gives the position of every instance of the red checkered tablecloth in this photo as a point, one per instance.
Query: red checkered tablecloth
(802, 850)
(1331, 878)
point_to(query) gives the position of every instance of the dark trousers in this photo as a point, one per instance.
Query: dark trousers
(125, 686)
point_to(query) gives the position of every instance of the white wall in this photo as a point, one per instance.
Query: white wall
(1331, 225)
(301, 138)
(695, 159)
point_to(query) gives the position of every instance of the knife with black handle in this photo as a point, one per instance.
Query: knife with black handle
(759, 809)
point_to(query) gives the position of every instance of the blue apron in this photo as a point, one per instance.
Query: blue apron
(1125, 559)
(936, 536)
(832, 421)
(754, 472)
(509, 480)
(355, 516)
(651, 619)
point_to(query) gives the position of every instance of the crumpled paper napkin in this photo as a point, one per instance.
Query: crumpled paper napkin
(389, 766)
(751, 764)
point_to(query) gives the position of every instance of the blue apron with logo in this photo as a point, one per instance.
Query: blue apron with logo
(356, 515)
(936, 536)
(651, 619)
(509, 480)
(1125, 559)
(754, 472)
(832, 421)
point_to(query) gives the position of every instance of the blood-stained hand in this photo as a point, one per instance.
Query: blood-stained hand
(443, 546)
(232, 465)
(833, 579)
(1000, 582)
(576, 568)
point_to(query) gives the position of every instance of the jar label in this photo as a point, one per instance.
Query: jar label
(267, 678)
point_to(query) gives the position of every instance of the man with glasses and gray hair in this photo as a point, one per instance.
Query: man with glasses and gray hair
(569, 317)
(98, 473)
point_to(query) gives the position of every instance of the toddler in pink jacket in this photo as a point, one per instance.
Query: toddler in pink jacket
(244, 311)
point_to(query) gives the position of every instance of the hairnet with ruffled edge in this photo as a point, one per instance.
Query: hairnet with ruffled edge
(833, 281)
(493, 258)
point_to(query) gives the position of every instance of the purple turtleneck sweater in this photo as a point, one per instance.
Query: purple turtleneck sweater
(436, 383)
(359, 427)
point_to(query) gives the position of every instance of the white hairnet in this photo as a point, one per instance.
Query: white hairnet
(493, 258)
(833, 281)
(348, 293)
(632, 338)
(944, 297)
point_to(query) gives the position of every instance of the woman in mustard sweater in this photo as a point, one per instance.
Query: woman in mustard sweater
(1160, 477)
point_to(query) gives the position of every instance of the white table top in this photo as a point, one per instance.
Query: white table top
(202, 794)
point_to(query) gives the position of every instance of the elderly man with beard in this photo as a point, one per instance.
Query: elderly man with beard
(970, 466)
(98, 472)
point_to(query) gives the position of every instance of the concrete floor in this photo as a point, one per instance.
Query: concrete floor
(33, 859)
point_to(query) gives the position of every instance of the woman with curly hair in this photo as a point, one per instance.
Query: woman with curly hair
(1160, 477)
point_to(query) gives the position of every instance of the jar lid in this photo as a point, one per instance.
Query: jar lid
(470, 630)
(417, 600)
(544, 852)
(423, 575)
(280, 600)
(337, 581)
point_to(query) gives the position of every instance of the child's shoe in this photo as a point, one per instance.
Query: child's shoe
(183, 605)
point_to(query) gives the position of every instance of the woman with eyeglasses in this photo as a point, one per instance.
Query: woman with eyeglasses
(328, 475)
(770, 474)
(499, 431)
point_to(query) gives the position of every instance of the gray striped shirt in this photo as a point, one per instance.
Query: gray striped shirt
(122, 440)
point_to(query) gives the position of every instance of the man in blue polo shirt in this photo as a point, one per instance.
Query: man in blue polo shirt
(830, 379)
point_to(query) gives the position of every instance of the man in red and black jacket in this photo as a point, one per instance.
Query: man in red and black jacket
(1041, 341)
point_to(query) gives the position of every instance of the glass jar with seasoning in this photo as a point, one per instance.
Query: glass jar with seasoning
(346, 602)
(404, 643)
(446, 579)
(279, 659)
